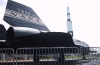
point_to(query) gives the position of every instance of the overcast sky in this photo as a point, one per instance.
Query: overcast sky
(85, 16)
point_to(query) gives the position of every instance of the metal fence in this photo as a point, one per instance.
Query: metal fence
(50, 56)
(90, 55)
(47, 56)
(6, 56)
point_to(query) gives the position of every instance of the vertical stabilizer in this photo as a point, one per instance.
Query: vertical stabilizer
(19, 15)
(69, 22)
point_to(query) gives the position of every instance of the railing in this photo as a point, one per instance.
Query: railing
(50, 56)
(46, 56)
(91, 58)
(6, 56)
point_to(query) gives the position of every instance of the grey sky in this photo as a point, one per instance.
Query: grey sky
(2, 3)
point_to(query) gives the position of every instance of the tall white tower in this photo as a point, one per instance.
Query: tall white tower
(69, 22)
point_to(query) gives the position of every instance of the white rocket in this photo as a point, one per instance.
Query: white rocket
(70, 30)
(69, 22)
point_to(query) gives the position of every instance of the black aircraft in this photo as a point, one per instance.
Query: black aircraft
(27, 30)
(2, 36)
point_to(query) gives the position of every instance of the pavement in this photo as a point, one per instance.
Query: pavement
(95, 61)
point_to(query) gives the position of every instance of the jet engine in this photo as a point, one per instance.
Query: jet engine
(27, 37)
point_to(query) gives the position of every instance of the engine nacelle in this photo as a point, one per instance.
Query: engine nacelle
(21, 31)
(16, 32)
(2, 32)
